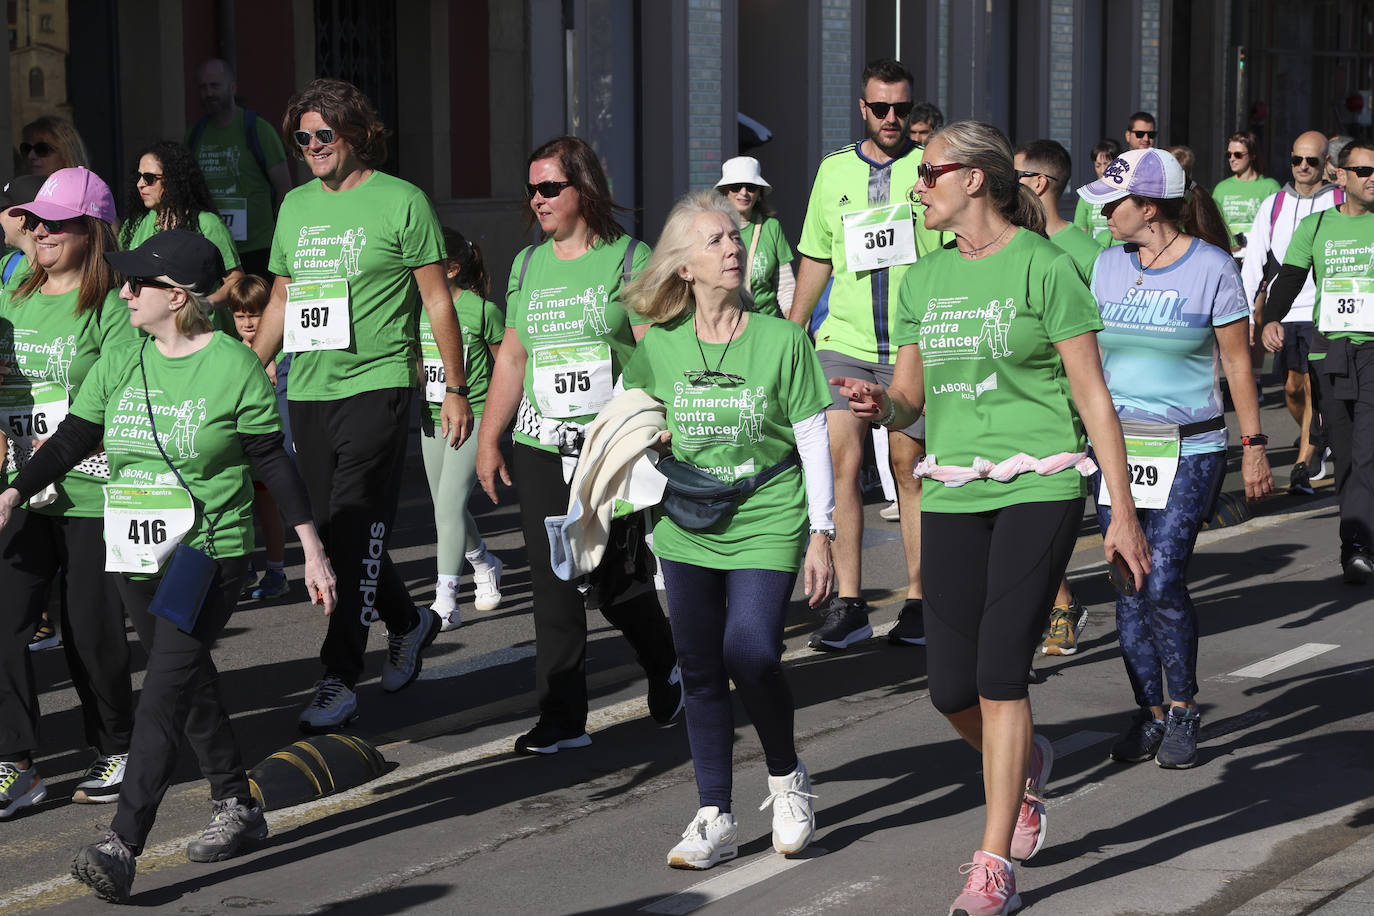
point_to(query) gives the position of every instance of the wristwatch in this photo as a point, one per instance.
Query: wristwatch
(1256, 439)
(460, 390)
(828, 532)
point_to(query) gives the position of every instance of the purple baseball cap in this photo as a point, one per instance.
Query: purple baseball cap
(1151, 173)
(69, 193)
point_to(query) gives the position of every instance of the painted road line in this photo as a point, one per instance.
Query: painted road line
(733, 880)
(1284, 660)
(1079, 741)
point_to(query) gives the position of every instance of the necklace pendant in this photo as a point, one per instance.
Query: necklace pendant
(1139, 279)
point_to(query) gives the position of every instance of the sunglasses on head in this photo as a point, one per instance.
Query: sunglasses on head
(1142, 134)
(880, 109)
(1363, 171)
(547, 189)
(929, 173)
(54, 226)
(149, 178)
(1314, 161)
(704, 378)
(136, 284)
(1231, 154)
(325, 135)
(742, 186)
(42, 148)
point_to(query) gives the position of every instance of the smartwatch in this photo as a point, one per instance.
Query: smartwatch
(460, 390)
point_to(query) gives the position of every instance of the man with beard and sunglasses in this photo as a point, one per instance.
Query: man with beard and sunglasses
(1335, 246)
(864, 227)
(1275, 222)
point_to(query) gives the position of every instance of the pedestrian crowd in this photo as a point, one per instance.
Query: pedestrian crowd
(688, 425)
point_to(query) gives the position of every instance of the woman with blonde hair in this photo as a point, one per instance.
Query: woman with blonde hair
(747, 410)
(1002, 314)
(50, 143)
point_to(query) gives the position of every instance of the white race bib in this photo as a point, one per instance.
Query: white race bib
(1151, 465)
(878, 238)
(143, 525)
(317, 316)
(435, 380)
(572, 380)
(234, 212)
(1347, 304)
(32, 412)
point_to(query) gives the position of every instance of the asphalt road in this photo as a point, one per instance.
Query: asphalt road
(1276, 819)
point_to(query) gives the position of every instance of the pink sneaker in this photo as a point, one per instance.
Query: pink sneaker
(1030, 822)
(990, 889)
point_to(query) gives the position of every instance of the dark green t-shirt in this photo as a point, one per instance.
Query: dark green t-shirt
(201, 402)
(1333, 245)
(994, 383)
(771, 254)
(373, 236)
(1079, 246)
(50, 348)
(735, 431)
(240, 188)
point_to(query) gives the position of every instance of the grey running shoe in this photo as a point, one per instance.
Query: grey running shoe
(1142, 741)
(1178, 750)
(102, 782)
(403, 661)
(19, 788)
(106, 868)
(333, 706)
(232, 826)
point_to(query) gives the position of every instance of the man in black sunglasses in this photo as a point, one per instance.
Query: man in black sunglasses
(864, 229)
(1141, 131)
(1336, 246)
(1278, 216)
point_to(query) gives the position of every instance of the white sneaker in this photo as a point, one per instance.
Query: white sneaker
(333, 706)
(1323, 470)
(711, 837)
(446, 605)
(794, 821)
(891, 513)
(486, 584)
(102, 781)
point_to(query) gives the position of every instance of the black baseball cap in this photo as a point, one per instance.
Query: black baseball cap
(188, 259)
(21, 189)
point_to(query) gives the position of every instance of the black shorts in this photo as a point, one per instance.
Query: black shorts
(1297, 346)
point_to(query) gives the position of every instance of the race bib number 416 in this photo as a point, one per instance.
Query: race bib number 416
(143, 525)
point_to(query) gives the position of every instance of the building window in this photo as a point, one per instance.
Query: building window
(36, 83)
(45, 23)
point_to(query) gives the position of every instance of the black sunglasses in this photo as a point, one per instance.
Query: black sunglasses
(149, 178)
(325, 135)
(1023, 173)
(42, 148)
(880, 109)
(736, 188)
(1142, 134)
(547, 189)
(1363, 171)
(1314, 161)
(54, 226)
(1232, 154)
(703, 378)
(136, 284)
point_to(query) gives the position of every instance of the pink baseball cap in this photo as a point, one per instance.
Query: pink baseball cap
(70, 193)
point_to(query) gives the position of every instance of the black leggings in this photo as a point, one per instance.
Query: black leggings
(990, 579)
(560, 616)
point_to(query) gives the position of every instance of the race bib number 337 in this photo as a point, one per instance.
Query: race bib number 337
(1347, 305)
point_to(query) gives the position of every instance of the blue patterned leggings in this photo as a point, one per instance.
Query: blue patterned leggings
(1158, 627)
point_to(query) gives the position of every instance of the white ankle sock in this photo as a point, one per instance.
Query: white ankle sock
(446, 585)
(1009, 866)
(478, 556)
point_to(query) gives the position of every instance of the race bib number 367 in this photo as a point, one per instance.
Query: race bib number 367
(878, 238)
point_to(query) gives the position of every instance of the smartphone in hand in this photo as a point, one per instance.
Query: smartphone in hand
(1122, 579)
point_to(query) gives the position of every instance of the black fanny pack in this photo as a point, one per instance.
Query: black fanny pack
(695, 500)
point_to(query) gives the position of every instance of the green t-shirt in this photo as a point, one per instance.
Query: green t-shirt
(482, 324)
(1331, 244)
(570, 320)
(994, 383)
(201, 402)
(1239, 201)
(770, 255)
(860, 321)
(1079, 246)
(237, 183)
(1089, 218)
(373, 235)
(207, 224)
(736, 431)
(44, 340)
(21, 269)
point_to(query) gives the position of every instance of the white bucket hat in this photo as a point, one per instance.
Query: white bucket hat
(741, 170)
